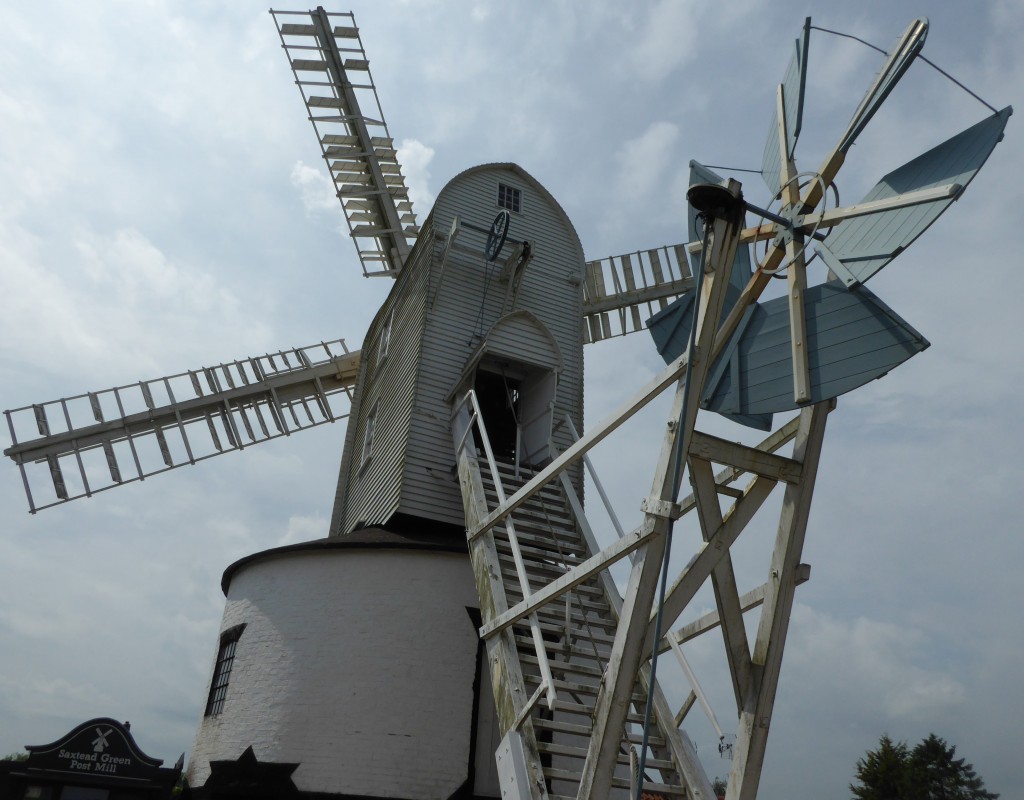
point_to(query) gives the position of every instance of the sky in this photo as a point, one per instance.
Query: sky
(163, 206)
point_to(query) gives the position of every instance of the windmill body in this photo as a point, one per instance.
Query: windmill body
(452, 316)
(333, 628)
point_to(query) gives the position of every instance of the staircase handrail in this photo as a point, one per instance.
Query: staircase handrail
(477, 418)
(597, 481)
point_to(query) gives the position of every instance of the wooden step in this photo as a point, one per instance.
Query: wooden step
(545, 537)
(655, 740)
(524, 643)
(555, 612)
(581, 689)
(558, 774)
(542, 553)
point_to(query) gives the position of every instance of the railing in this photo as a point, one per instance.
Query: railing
(467, 411)
(597, 482)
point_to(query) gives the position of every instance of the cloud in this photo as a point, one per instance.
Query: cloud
(647, 159)
(415, 158)
(869, 667)
(315, 188)
(666, 42)
(304, 529)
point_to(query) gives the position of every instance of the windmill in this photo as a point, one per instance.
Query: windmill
(275, 395)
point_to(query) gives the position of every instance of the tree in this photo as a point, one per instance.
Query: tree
(883, 773)
(937, 775)
(14, 757)
(719, 786)
(928, 772)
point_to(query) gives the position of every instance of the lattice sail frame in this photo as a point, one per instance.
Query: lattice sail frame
(83, 442)
(325, 52)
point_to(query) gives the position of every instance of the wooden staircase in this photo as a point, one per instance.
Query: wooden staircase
(577, 631)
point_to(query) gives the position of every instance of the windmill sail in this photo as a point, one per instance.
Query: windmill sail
(333, 74)
(621, 292)
(852, 337)
(131, 432)
(860, 247)
(902, 55)
(794, 84)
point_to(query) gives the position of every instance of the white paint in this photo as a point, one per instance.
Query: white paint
(356, 662)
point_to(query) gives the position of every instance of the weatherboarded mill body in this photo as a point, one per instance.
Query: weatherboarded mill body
(357, 657)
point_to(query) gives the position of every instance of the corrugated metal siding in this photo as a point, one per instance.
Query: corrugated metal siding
(468, 305)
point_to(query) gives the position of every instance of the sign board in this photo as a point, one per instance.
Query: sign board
(99, 747)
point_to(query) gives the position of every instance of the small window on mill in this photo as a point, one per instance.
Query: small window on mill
(385, 337)
(371, 422)
(222, 670)
(509, 198)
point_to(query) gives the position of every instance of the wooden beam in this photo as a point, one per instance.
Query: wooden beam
(773, 258)
(678, 742)
(693, 772)
(645, 294)
(833, 217)
(509, 688)
(808, 223)
(708, 554)
(796, 273)
(755, 719)
(711, 620)
(577, 575)
(723, 579)
(632, 641)
(613, 699)
(744, 458)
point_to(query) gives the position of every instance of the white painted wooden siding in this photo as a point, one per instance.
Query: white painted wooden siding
(415, 476)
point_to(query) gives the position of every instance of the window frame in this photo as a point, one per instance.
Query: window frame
(368, 434)
(385, 337)
(510, 197)
(222, 669)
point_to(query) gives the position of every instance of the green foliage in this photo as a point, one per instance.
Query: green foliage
(719, 785)
(181, 787)
(928, 772)
(14, 757)
(883, 772)
(937, 775)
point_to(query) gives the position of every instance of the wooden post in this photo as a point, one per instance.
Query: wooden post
(755, 718)
(631, 638)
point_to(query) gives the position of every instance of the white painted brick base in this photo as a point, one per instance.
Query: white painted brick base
(357, 663)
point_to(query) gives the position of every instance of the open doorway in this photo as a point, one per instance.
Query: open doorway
(499, 399)
(517, 402)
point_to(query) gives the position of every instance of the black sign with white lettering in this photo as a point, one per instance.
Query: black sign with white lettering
(100, 747)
